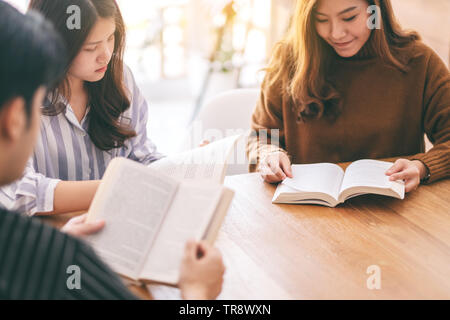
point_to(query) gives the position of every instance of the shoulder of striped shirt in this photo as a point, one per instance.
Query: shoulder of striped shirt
(128, 78)
(130, 84)
(136, 96)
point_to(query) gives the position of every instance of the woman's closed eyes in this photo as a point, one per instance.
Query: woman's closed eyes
(351, 18)
(345, 19)
(92, 49)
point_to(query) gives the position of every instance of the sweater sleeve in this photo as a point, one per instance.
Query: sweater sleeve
(436, 119)
(267, 134)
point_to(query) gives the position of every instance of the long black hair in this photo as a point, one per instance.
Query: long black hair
(32, 55)
(108, 97)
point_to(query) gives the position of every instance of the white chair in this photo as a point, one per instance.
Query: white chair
(226, 114)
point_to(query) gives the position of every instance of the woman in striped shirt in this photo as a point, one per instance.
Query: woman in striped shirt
(36, 260)
(95, 114)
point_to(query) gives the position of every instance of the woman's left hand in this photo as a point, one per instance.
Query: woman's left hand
(409, 171)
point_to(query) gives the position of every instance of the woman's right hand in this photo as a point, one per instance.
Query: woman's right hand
(202, 270)
(78, 227)
(275, 167)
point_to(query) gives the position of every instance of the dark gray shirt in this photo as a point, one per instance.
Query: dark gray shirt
(36, 260)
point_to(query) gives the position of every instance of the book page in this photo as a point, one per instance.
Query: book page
(133, 209)
(287, 195)
(215, 223)
(188, 218)
(282, 188)
(318, 177)
(206, 163)
(370, 173)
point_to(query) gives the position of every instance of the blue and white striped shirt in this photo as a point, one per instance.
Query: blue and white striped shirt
(64, 151)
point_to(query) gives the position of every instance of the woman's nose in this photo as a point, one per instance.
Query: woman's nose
(337, 31)
(105, 56)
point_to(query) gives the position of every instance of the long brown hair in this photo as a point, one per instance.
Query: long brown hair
(108, 97)
(300, 62)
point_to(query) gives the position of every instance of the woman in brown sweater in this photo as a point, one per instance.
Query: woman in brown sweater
(347, 83)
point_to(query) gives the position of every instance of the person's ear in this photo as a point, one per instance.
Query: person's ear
(13, 119)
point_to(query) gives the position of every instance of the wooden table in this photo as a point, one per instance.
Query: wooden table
(314, 252)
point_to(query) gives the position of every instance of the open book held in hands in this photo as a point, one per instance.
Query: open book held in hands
(208, 163)
(327, 184)
(149, 217)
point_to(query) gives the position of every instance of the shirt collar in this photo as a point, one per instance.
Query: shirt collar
(70, 114)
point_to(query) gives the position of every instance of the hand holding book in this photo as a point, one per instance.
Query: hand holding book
(327, 184)
(412, 172)
(151, 212)
(78, 227)
(202, 270)
(275, 167)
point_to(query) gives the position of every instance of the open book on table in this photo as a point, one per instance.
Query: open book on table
(327, 184)
(150, 216)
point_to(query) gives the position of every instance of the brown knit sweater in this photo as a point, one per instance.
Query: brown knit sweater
(385, 113)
